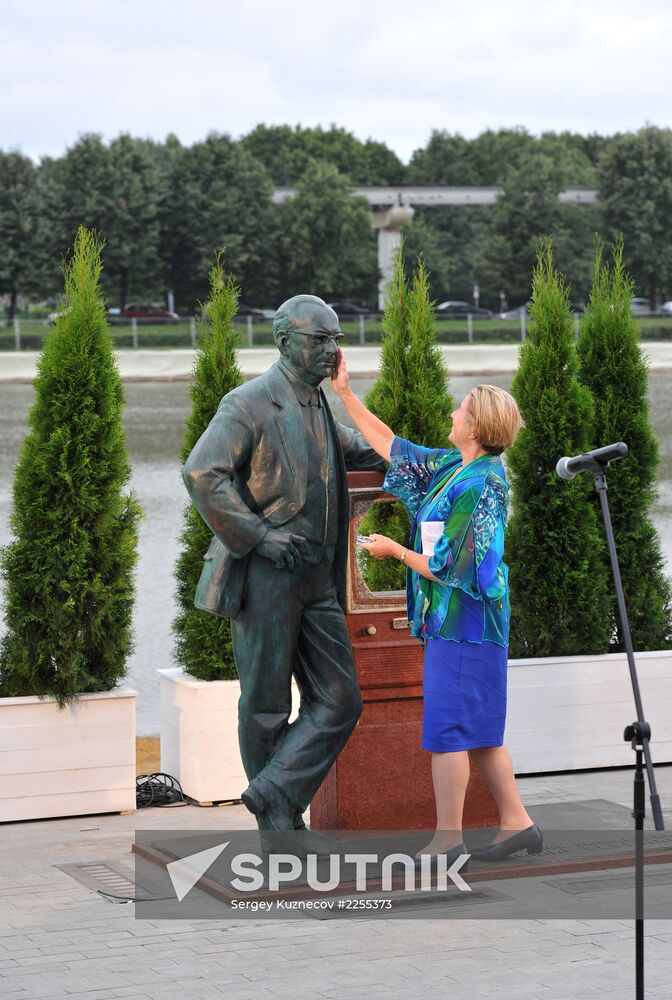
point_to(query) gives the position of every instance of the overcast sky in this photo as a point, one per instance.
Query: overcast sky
(391, 71)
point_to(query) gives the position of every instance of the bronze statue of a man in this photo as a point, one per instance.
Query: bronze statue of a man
(268, 477)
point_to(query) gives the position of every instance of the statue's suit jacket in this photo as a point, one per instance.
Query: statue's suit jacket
(249, 471)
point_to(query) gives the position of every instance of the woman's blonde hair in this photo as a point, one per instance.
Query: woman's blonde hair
(495, 418)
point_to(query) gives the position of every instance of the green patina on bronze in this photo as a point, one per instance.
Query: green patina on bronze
(269, 478)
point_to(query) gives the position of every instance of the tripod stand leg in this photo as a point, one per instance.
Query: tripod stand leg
(639, 735)
(638, 813)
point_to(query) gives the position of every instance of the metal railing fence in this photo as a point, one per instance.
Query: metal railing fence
(28, 333)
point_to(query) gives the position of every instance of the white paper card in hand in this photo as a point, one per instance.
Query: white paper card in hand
(430, 531)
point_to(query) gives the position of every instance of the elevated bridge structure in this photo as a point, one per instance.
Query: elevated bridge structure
(392, 208)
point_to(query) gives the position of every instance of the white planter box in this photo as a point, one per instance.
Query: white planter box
(564, 714)
(567, 713)
(199, 735)
(68, 762)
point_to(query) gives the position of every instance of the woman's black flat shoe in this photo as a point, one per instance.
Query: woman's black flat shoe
(451, 857)
(530, 840)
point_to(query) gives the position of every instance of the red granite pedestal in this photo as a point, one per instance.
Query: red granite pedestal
(382, 779)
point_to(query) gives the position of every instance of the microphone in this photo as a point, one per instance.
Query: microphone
(592, 461)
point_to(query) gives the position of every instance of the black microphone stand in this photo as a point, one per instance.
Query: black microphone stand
(638, 735)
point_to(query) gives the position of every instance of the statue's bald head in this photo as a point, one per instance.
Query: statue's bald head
(307, 333)
(301, 311)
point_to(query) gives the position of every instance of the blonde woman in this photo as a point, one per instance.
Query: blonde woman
(458, 603)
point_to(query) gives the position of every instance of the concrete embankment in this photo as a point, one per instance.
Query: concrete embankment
(159, 365)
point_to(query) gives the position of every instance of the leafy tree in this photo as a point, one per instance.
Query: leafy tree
(494, 154)
(592, 145)
(19, 214)
(635, 184)
(446, 159)
(527, 209)
(75, 190)
(218, 195)
(420, 240)
(411, 396)
(379, 165)
(574, 152)
(203, 640)
(287, 152)
(279, 149)
(459, 233)
(496, 248)
(52, 241)
(328, 246)
(218, 192)
(114, 189)
(163, 153)
(82, 191)
(69, 571)
(613, 367)
(132, 261)
(559, 594)
(488, 158)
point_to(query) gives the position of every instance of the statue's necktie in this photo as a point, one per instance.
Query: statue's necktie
(316, 418)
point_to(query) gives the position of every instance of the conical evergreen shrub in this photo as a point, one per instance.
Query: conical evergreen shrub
(411, 396)
(614, 369)
(69, 570)
(555, 546)
(203, 640)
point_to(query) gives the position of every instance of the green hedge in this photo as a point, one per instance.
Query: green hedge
(412, 398)
(614, 369)
(69, 570)
(554, 544)
(203, 640)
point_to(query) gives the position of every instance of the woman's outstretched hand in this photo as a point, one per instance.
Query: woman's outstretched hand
(339, 378)
(376, 433)
(382, 547)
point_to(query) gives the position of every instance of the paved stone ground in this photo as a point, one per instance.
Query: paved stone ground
(58, 938)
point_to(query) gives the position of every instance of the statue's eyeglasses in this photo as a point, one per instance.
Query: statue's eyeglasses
(322, 338)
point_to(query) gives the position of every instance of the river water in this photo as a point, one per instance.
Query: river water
(154, 419)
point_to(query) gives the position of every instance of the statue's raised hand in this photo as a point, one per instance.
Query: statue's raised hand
(282, 548)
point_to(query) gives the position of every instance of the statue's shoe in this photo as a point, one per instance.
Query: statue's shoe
(282, 827)
(530, 840)
(312, 842)
(301, 842)
(298, 820)
(263, 823)
(277, 813)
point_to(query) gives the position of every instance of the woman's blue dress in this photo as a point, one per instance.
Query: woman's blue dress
(464, 687)
(463, 621)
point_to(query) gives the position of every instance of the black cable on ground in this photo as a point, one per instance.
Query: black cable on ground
(158, 789)
(111, 897)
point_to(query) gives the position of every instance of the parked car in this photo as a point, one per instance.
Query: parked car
(666, 309)
(245, 310)
(517, 312)
(144, 314)
(347, 308)
(111, 314)
(640, 307)
(578, 309)
(455, 309)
